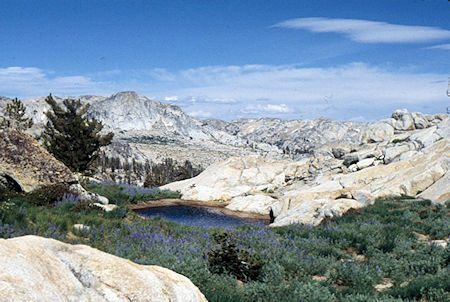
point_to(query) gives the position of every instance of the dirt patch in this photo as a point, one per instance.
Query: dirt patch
(352, 252)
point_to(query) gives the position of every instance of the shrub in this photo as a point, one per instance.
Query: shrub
(313, 291)
(227, 258)
(48, 195)
(117, 213)
(396, 141)
(120, 193)
(347, 163)
(85, 207)
(426, 286)
(361, 278)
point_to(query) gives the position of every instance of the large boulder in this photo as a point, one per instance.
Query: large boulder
(404, 120)
(420, 120)
(312, 212)
(378, 132)
(259, 204)
(41, 269)
(439, 192)
(23, 159)
(238, 176)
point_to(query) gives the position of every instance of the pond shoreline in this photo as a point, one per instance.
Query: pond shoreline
(215, 205)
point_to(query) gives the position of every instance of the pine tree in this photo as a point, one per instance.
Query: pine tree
(16, 117)
(71, 137)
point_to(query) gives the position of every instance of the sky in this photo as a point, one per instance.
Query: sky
(353, 60)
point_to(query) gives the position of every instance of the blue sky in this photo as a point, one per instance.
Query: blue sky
(346, 60)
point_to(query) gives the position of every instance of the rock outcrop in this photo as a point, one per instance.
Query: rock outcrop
(41, 269)
(329, 195)
(25, 166)
(389, 160)
(244, 183)
(23, 159)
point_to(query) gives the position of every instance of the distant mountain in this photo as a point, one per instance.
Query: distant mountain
(148, 132)
(129, 115)
(293, 137)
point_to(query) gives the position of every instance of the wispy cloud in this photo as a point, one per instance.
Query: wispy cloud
(268, 108)
(228, 92)
(32, 81)
(200, 114)
(368, 31)
(172, 98)
(441, 46)
(293, 91)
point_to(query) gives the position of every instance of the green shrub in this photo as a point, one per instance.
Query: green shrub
(272, 272)
(85, 207)
(368, 298)
(117, 213)
(12, 214)
(348, 162)
(425, 286)
(396, 141)
(121, 194)
(313, 291)
(227, 258)
(360, 278)
(48, 195)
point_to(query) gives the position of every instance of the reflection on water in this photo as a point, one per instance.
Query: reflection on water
(197, 216)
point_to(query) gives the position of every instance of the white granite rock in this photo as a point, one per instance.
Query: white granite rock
(438, 192)
(36, 269)
(365, 163)
(404, 120)
(420, 121)
(260, 204)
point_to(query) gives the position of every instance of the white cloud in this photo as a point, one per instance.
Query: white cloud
(268, 108)
(171, 98)
(31, 81)
(228, 92)
(292, 91)
(368, 31)
(441, 46)
(200, 114)
(161, 74)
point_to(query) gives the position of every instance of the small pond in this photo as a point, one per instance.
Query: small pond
(197, 216)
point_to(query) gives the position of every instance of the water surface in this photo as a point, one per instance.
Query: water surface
(197, 216)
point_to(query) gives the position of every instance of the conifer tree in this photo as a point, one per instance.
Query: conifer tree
(71, 136)
(15, 117)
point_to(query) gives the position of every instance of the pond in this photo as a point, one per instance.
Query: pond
(197, 216)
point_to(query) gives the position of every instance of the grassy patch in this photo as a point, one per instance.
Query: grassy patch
(121, 194)
(340, 260)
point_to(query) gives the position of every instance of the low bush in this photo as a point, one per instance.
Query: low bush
(121, 194)
(48, 195)
(227, 258)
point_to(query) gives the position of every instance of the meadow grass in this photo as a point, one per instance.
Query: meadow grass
(343, 259)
